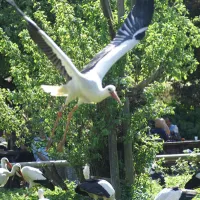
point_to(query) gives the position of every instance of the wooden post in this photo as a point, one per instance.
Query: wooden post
(128, 151)
(120, 6)
(114, 165)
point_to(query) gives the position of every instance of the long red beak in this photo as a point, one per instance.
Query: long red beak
(19, 173)
(115, 96)
(9, 165)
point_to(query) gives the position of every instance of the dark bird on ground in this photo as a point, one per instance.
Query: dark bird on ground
(95, 188)
(194, 182)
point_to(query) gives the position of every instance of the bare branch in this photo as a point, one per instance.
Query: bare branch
(105, 4)
(120, 6)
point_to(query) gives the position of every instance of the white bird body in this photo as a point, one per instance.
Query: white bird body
(5, 174)
(30, 174)
(35, 177)
(41, 195)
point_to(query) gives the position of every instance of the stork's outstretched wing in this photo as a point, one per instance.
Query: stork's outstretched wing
(130, 33)
(49, 47)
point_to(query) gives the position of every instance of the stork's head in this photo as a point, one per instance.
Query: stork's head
(17, 169)
(111, 89)
(4, 161)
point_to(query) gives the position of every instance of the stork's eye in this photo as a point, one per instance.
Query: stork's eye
(109, 89)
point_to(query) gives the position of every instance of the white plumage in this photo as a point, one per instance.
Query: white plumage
(95, 188)
(41, 194)
(4, 163)
(87, 84)
(35, 177)
(5, 174)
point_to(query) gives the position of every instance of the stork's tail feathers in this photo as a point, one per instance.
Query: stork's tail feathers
(46, 183)
(55, 90)
(86, 172)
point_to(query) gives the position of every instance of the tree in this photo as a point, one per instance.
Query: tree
(144, 75)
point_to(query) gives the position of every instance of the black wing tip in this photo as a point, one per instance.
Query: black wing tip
(144, 9)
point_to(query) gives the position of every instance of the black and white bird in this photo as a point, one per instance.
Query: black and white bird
(5, 173)
(95, 188)
(34, 177)
(194, 182)
(155, 175)
(87, 84)
(175, 193)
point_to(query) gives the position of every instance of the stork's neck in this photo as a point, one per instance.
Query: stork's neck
(3, 164)
(12, 172)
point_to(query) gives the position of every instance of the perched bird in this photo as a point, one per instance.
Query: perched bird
(175, 194)
(87, 84)
(95, 188)
(194, 182)
(157, 175)
(5, 173)
(41, 194)
(34, 176)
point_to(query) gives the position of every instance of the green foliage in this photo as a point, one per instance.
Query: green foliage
(81, 31)
(21, 194)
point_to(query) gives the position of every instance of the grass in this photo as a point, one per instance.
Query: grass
(153, 189)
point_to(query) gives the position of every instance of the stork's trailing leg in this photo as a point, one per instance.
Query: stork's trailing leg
(59, 115)
(62, 142)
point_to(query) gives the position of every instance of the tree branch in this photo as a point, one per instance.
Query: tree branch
(155, 76)
(105, 4)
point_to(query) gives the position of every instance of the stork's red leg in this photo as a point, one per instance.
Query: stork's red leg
(59, 115)
(62, 142)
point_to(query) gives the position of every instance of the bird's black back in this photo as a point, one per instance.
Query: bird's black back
(92, 186)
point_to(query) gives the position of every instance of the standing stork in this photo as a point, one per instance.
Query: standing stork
(95, 188)
(34, 176)
(175, 193)
(5, 173)
(87, 84)
(194, 182)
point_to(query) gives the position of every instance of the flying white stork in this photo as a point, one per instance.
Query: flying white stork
(95, 188)
(5, 173)
(34, 176)
(87, 84)
(175, 194)
(41, 194)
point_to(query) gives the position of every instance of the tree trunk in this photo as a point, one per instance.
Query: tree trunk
(105, 4)
(132, 3)
(120, 6)
(114, 165)
(128, 153)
